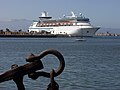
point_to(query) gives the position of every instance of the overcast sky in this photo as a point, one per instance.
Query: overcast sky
(104, 13)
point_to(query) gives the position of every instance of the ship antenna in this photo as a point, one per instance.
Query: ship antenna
(73, 15)
(44, 14)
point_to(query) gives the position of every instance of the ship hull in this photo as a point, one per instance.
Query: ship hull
(68, 30)
(86, 32)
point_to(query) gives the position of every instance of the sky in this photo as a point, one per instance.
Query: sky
(103, 13)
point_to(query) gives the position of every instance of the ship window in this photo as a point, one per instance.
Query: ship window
(61, 23)
(87, 31)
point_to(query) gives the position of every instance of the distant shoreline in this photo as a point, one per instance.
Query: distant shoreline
(44, 34)
(30, 36)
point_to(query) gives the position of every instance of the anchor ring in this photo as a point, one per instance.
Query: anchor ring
(60, 69)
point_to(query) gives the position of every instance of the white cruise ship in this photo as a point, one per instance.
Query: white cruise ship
(73, 25)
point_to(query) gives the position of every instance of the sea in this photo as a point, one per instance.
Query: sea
(93, 64)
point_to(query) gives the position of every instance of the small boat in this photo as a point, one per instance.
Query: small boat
(80, 39)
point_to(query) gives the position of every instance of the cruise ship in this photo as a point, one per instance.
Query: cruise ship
(71, 25)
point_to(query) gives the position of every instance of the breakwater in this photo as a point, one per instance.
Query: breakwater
(21, 33)
(35, 36)
(8, 33)
(107, 34)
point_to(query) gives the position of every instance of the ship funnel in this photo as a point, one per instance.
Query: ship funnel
(80, 14)
(44, 15)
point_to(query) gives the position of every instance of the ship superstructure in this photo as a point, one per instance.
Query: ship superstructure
(72, 25)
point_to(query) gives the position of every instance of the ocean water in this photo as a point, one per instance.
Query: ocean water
(93, 64)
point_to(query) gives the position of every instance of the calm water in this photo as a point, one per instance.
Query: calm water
(90, 65)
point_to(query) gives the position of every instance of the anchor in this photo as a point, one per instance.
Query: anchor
(31, 69)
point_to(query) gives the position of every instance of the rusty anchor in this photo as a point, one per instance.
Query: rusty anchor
(31, 69)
